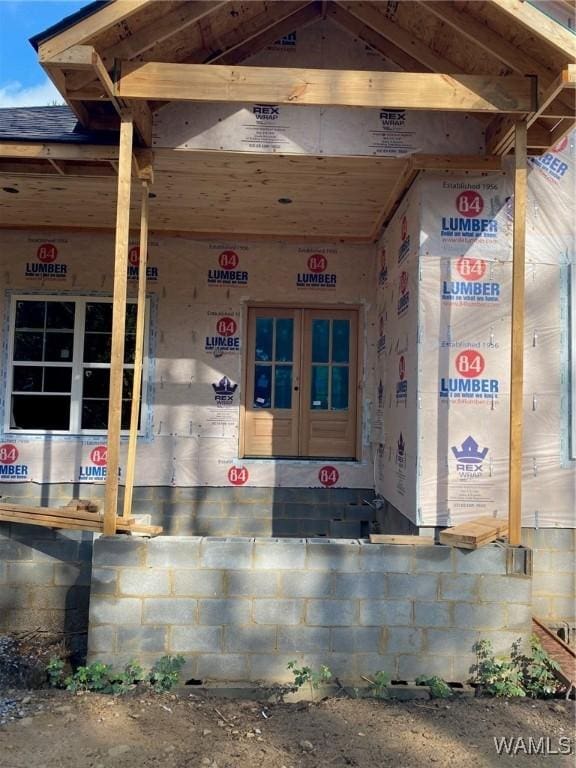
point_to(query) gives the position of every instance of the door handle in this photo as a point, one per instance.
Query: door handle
(295, 389)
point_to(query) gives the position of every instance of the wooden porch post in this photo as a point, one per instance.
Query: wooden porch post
(139, 353)
(517, 336)
(118, 324)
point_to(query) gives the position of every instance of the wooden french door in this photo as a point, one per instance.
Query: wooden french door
(301, 383)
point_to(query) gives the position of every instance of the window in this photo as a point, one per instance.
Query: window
(301, 383)
(59, 372)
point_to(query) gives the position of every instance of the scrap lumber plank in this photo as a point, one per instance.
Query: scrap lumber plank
(96, 525)
(558, 650)
(475, 533)
(416, 541)
(62, 512)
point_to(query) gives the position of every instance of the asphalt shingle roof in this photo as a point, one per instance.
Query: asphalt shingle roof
(48, 124)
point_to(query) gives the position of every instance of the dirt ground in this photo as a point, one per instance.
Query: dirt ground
(56, 729)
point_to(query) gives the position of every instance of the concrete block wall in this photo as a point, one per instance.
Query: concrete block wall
(226, 511)
(240, 609)
(554, 581)
(45, 582)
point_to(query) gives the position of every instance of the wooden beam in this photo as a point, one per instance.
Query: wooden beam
(539, 24)
(160, 29)
(387, 49)
(118, 325)
(281, 24)
(457, 162)
(139, 354)
(95, 24)
(404, 39)
(85, 58)
(517, 335)
(401, 187)
(409, 90)
(57, 151)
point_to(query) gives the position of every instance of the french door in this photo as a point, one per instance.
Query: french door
(301, 383)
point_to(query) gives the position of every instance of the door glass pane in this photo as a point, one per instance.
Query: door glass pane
(340, 341)
(27, 378)
(60, 314)
(131, 312)
(30, 314)
(264, 331)
(94, 414)
(262, 386)
(283, 386)
(284, 339)
(340, 388)
(40, 412)
(129, 348)
(58, 347)
(319, 393)
(320, 341)
(28, 345)
(57, 379)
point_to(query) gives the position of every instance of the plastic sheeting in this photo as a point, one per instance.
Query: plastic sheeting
(463, 354)
(198, 290)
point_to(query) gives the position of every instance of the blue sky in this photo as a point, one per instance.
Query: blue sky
(22, 80)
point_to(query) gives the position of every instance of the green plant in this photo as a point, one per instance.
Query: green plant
(537, 670)
(95, 677)
(55, 672)
(303, 675)
(165, 673)
(379, 685)
(439, 689)
(522, 675)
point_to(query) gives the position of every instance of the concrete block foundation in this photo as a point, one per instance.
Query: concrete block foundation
(387, 608)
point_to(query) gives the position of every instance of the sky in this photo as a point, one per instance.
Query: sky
(23, 82)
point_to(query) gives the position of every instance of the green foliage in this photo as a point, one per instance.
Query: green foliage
(439, 689)
(165, 673)
(55, 672)
(102, 678)
(314, 679)
(379, 685)
(521, 675)
(537, 670)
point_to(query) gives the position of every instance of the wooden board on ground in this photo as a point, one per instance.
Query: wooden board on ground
(558, 650)
(474, 534)
(416, 541)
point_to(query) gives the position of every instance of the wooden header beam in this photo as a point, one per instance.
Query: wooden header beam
(344, 88)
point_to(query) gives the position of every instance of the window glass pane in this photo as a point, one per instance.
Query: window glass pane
(131, 310)
(283, 386)
(284, 339)
(40, 412)
(340, 388)
(99, 316)
(60, 314)
(96, 382)
(27, 378)
(319, 393)
(58, 347)
(94, 414)
(30, 314)
(57, 379)
(320, 340)
(264, 330)
(129, 348)
(97, 347)
(28, 345)
(262, 386)
(125, 418)
(127, 379)
(340, 341)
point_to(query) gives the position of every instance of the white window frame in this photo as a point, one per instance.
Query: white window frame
(78, 365)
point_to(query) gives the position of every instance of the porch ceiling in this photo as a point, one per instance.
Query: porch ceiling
(213, 193)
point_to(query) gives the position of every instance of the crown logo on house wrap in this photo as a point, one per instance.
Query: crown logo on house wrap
(224, 387)
(469, 452)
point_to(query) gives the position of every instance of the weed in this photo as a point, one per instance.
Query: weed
(521, 675)
(379, 685)
(102, 678)
(439, 688)
(303, 675)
